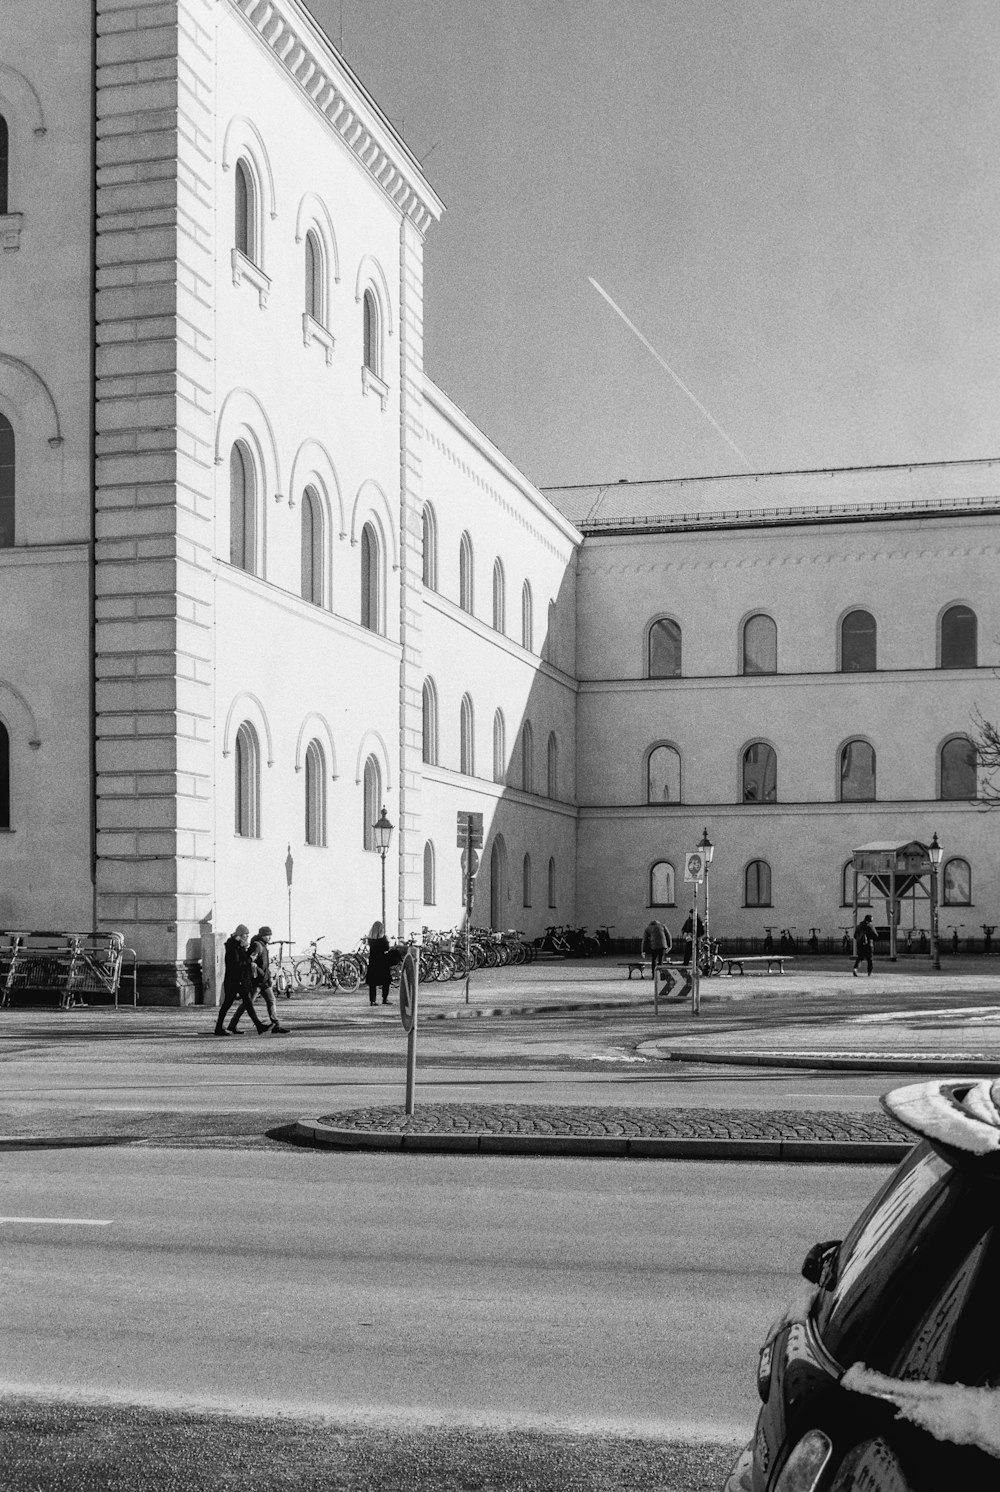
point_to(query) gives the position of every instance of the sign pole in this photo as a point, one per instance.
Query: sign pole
(411, 1055)
(468, 903)
(409, 983)
(695, 973)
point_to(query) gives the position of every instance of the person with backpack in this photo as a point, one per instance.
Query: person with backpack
(864, 944)
(656, 942)
(263, 983)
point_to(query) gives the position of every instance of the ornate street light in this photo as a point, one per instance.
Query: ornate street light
(936, 854)
(707, 849)
(382, 834)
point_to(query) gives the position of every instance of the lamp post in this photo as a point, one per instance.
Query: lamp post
(707, 849)
(936, 856)
(382, 831)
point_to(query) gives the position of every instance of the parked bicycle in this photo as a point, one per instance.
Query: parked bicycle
(335, 969)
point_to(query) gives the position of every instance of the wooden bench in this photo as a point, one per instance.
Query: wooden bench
(735, 960)
(632, 964)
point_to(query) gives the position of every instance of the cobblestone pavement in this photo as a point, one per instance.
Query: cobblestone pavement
(581, 1122)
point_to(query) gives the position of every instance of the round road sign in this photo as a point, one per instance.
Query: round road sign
(408, 989)
(472, 866)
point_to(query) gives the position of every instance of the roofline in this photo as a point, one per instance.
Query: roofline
(755, 476)
(797, 517)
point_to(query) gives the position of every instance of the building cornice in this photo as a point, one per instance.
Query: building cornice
(309, 59)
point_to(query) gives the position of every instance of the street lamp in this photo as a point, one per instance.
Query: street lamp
(382, 833)
(936, 856)
(707, 849)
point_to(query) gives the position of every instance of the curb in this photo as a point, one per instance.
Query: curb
(957, 1066)
(646, 1147)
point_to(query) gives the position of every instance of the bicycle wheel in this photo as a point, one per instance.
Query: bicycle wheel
(305, 973)
(283, 983)
(346, 974)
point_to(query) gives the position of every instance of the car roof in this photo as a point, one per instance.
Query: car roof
(960, 1115)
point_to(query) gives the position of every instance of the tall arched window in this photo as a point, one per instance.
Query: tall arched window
(760, 645)
(847, 887)
(957, 883)
(858, 637)
(465, 589)
(242, 509)
(467, 738)
(314, 277)
(430, 876)
(245, 236)
(527, 618)
(958, 637)
(527, 757)
(430, 724)
(499, 748)
(661, 884)
(526, 882)
(857, 772)
(760, 774)
(665, 649)
(757, 884)
(371, 580)
(4, 777)
(551, 635)
(372, 801)
(372, 337)
(552, 883)
(430, 554)
(552, 766)
(4, 164)
(312, 547)
(6, 483)
(315, 794)
(663, 775)
(499, 597)
(247, 782)
(958, 768)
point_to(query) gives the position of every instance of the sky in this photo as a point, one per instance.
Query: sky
(797, 203)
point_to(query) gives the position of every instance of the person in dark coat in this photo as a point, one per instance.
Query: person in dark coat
(260, 961)
(687, 938)
(864, 944)
(237, 984)
(656, 943)
(379, 968)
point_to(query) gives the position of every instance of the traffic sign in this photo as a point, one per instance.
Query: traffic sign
(470, 829)
(694, 866)
(407, 989)
(671, 982)
(470, 863)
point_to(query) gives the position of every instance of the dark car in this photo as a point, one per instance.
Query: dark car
(885, 1377)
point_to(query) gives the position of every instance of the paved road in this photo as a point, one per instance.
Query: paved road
(607, 1296)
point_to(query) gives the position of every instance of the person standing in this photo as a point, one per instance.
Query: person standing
(687, 937)
(237, 984)
(864, 944)
(657, 943)
(260, 960)
(379, 968)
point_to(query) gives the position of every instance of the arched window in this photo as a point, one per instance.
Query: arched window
(4, 777)
(663, 775)
(315, 794)
(312, 547)
(245, 236)
(661, 884)
(958, 638)
(242, 509)
(372, 801)
(760, 645)
(467, 740)
(527, 618)
(527, 757)
(757, 884)
(857, 772)
(847, 887)
(552, 883)
(430, 553)
(499, 748)
(430, 877)
(526, 882)
(6, 483)
(552, 766)
(958, 768)
(551, 635)
(4, 164)
(760, 774)
(858, 643)
(371, 580)
(314, 278)
(372, 334)
(430, 724)
(957, 883)
(499, 597)
(665, 649)
(465, 591)
(247, 783)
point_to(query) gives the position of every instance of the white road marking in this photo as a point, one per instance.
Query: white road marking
(61, 1222)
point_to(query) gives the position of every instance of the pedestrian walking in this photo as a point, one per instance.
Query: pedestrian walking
(864, 944)
(656, 942)
(687, 938)
(263, 982)
(237, 984)
(379, 967)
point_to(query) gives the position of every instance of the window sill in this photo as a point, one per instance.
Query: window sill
(372, 384)
(315, 331)
(10, 229)
(245, 269)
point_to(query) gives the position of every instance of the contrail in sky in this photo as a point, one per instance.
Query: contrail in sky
(665, 365)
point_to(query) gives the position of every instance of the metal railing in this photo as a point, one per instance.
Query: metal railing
(783, 516)
(66, 965)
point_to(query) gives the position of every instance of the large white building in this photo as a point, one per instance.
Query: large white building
(261, 576)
